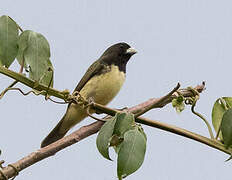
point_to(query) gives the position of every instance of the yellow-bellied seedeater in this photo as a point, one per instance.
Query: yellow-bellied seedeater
(101, 82)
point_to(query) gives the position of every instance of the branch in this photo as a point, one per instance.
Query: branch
(33, 84)
(152, 105)
(85, 131)
(50, 150)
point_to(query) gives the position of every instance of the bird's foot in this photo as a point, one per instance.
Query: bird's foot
(91, 103)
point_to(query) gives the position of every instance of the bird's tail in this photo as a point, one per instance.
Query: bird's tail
(54, 135)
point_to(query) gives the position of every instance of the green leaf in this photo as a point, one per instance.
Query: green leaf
(226, 128)
(48, 75)
(104, 137)
(219, 108)
(8, 41)
(178, 104)
(131, 153)
(228, 101)
(117, 148)
(124, 123)
(115, 140)
(22, 44)
(142, 131)
(35, 51)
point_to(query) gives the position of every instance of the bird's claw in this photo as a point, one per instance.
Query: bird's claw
(90, 101)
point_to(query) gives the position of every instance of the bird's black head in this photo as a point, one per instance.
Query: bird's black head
(118, 54)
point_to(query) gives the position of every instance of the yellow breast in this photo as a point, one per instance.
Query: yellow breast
(103, 88)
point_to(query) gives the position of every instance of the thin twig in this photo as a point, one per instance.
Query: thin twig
(90, 115)
(22, 66)
(7, 89)
(35, 93)
(27, 93)
(49, 85)
(33, 84)
(12, 84)
(161, 102)
(202, 117)
(57, 102)
(192, 101)
(147, 108)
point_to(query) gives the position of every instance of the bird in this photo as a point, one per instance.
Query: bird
(101, 83)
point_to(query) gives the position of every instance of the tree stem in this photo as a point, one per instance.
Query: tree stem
(30, 83)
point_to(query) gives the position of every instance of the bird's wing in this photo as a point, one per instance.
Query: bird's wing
(95, 68)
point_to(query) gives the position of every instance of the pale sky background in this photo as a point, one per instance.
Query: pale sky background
(184, 41)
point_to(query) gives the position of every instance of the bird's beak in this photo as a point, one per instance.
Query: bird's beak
(131, 51)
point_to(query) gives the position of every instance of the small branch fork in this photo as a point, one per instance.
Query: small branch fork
(12, 169)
